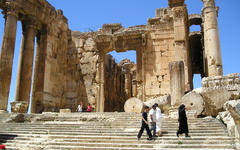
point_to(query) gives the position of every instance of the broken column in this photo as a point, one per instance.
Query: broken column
(177, 82)
(213, 58)
(6, 56)
(24, 78)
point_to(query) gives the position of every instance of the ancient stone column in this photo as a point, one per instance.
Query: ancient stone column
(101, 100)
(177, 82)
(6, 56)
(39, 71)
(213, 58)
(140, 75)
(23, 86)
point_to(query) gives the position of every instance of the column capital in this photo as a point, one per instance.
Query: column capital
(11, 9)
(29, 21)
(208, 3)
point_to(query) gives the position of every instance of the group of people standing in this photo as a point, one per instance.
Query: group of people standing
(80, 107)
(155, 120)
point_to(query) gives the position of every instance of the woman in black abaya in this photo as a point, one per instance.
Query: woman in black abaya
(182, 119)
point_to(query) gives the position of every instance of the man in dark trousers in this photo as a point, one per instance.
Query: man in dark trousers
(182, 119)
(145, 124)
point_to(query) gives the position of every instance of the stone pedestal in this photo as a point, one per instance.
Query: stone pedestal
(19, 107)
(65, 110)
(6, 57)
(177, 82)
(213, 58)
(24, 78)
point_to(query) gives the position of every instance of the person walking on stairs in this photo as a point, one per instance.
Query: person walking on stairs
(152, 120)
(158, 120)
(182, 119)
(144, 125)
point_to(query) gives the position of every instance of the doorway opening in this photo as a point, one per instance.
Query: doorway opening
(120, 72)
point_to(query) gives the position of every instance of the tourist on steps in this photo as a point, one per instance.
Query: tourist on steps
(182, 119)
(80, 106)
(145, 124)
(89, 108)
(158, 120)
(152, 120)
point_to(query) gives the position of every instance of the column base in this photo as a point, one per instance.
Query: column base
(19, 107)
(3, 111)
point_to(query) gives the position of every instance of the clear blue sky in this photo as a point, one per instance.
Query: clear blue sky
(91, 14)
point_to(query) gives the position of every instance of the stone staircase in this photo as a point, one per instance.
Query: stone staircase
(108, 131)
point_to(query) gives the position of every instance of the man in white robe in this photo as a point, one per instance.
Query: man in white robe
(158, 120)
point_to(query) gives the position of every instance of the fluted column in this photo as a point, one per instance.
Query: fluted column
(23, 86)
(213, 58)
(6, 56)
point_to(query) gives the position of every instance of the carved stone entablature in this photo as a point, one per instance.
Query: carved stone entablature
(179, 12)
(111, 28)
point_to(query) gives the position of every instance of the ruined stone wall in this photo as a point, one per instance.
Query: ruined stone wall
(167, 41)
(85, 82)
(52, 96)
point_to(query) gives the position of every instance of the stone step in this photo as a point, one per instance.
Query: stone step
(108, 146)
(148, 144)
(143, 140)
(95, 137)
(102, 133)
(106, 130)
(55, 124)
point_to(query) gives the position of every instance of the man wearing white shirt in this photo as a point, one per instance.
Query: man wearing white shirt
(152, 120)
(158, 120)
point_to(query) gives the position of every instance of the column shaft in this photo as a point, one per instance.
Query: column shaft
(101, 94)
(23, 86)
(177, 82)
(39, 72)
(6, 57)
(213, 58)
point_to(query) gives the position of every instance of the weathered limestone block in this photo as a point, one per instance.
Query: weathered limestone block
(17, 117)
(90, 45)
(65, 111)
(227, 119)
(177, 81)
(133, 105)
(234, 109)
(218, 90)
(19, 107)
(193, 101)
(164, 102)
